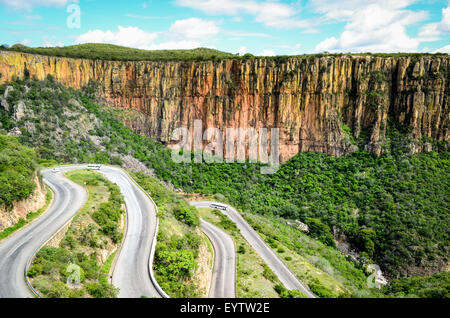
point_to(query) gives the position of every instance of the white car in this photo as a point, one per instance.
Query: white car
(55, 170)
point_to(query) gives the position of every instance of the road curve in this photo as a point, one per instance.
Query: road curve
(132, 274)
(287, 278)
(132, 271)
(223, 282)
(16, 250)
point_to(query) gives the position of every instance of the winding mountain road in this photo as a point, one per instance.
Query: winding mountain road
(289, 280)
(133, 270)
(223, 281)
(16, 251)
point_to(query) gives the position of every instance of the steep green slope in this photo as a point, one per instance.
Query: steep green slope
(393, 209)
(17, 168)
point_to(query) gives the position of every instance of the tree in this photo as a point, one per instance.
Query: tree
(365, 241)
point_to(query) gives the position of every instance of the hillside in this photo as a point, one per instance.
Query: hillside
(96, 51)
(111, 52)
(393, 209)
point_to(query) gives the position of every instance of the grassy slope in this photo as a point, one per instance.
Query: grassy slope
(85, 243)
(326, 271)
(254, 278)
(402, 198)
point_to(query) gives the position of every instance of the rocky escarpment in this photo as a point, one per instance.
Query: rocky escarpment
(309, 99)
(9, 217)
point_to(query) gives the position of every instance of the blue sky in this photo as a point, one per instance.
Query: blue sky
(265, 27)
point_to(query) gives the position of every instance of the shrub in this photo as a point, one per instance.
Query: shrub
(320, 231)
(268, 274)
(58, 290)
(187, 214)
(284, 293)
(320, 290)
(98, 290)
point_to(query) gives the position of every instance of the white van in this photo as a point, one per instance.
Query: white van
(94, 167)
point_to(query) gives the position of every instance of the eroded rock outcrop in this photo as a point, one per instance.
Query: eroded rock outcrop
(308, 98)
(21, 209)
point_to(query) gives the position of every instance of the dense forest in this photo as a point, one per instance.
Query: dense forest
(393, 209)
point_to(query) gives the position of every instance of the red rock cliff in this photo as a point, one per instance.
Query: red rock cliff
(308, 98)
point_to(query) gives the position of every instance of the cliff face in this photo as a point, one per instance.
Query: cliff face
(309, 99)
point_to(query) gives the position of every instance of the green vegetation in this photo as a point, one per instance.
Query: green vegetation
(285, 293)
(393, 208)
(324, 269)
(178, 241)
(435, 286)
(88, 237)
(30, 216)
(17, 170)
(402, 198)
(98, 51)
(120, 53)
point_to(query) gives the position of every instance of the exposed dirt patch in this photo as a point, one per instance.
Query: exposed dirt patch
(20, 210)
(203, 274)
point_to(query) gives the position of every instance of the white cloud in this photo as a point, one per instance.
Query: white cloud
(270, 13)
(432, 31)
(378, 27)
(267, 53)
(246, 34)
(311, 31)
(26, 42)
(175, 45)
(445, 49)
(28, 5)
(126, 36)
(242, 50)
(346, 9)
(182, 34)
(193, 28)
(50, 41)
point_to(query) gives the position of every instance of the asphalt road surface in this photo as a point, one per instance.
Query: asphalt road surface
(223, 282)
(287, 278)
(132, 271)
